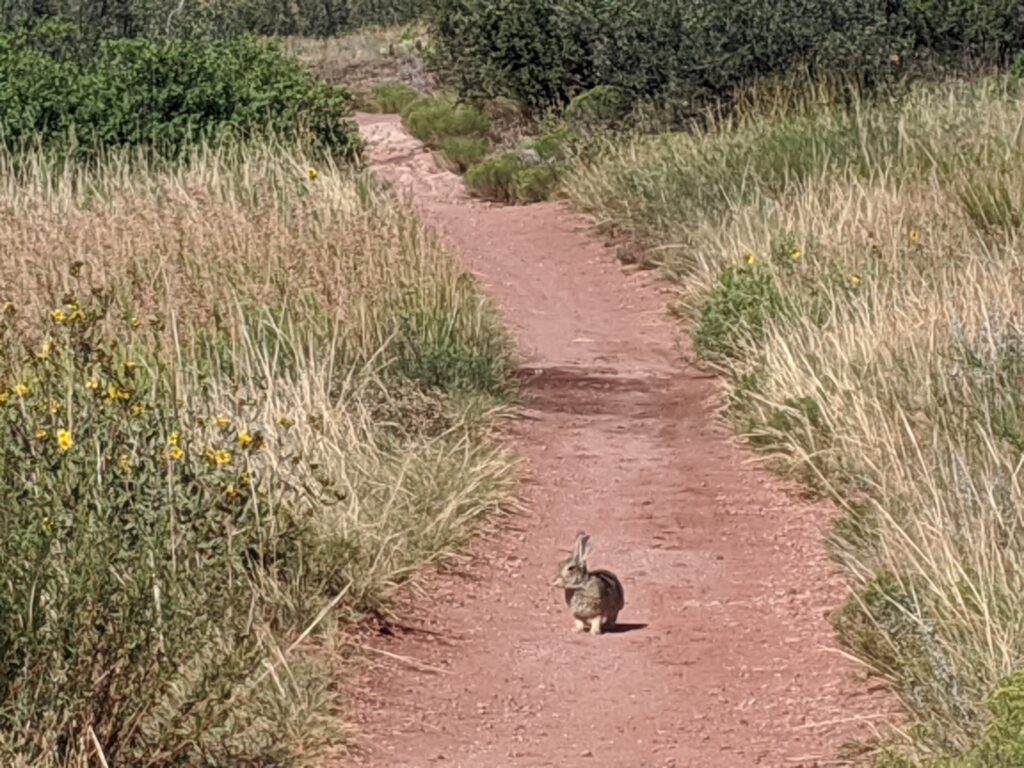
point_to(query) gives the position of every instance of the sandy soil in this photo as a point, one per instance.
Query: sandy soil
(725, 658)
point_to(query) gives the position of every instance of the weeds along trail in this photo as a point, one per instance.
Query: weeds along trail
(235, 412)
(855, 273)
(726, 659)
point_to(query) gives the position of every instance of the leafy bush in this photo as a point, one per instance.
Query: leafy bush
(131, 550)
(553, 146)
(390, 98)
(495, 178)
(214, 18)
(544, 52)
(164, 96)
(603, 105)
(460, 153)
(534, 184)
(528, 174)
(744, 300)
(432, 119)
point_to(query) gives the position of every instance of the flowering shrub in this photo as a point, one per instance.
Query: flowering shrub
(124, 540)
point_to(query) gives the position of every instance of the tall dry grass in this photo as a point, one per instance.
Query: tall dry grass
(856, 273)
(310, 387)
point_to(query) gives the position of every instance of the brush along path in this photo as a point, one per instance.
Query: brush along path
(724, 659)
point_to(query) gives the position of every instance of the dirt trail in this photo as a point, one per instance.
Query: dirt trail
(726, 660)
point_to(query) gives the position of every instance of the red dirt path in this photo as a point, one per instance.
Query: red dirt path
(730, 662)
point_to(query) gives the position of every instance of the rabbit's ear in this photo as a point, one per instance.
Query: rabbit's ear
(582, 548)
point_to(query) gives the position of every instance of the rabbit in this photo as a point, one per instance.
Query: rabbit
(594, 597)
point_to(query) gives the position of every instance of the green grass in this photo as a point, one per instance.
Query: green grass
(854, 274)
(460, 153)
(432, 119)
(389, 98)
(241, 400)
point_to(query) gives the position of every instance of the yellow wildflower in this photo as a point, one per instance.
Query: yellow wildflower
(58, 316)
(64, 440)
(915, 236)
(750, 258)
(113, 393)
(21, 390)
(93, 383)
(45, 349)
(218, 457)
(41, 435)
(244, 438)
(4, 397)
(138, 410)
(232, 491)
(135, 323)
(176, 453)
(855, 279)
(312, 174)
(795, 254)
(173, 439)
(222, 421)
(54, 406)
(125, 463)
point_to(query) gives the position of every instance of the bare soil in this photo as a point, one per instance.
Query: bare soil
(725, 656)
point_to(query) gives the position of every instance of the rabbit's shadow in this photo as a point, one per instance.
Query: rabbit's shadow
(621, 629)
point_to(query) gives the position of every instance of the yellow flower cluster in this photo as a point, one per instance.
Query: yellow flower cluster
(69, 313)
(64, 440)
(219, 458)
(113, 393)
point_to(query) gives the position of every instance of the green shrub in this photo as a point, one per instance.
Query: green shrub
(1017, 69)
(215, 18)
(603, 105)
(138, 562)
(432, 119)
(738, 309)
(165, 95)
(1003, 741)
(545, 52)
(460, 153)
(553, 146)
(534, 184)
(527, 175)
(494, 178)
(391, 98)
